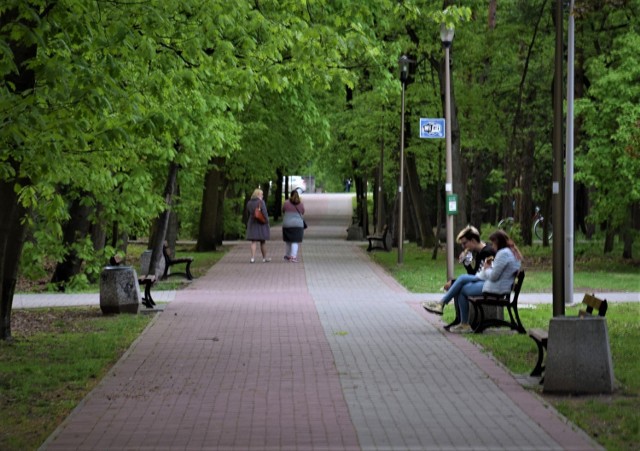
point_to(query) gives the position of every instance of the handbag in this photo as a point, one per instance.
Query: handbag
(258, 215)
(304, 223)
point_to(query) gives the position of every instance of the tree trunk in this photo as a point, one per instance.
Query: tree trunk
(277, 205)
(12, 235)
(525, 217)
(76, 229)
(608, 240)
(209, 210)
(162, 223)
(423, 222)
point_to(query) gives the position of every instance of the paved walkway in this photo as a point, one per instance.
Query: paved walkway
(326, 354)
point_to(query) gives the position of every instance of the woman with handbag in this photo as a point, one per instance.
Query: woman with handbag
(258, 230)
(293, 226)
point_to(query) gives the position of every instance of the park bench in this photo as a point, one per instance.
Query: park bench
(508, 301)
(168, 262)
(541, 336)
(380, 238)
(145, 281)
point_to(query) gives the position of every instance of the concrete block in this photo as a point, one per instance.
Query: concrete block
(119, 290)
(578, 356)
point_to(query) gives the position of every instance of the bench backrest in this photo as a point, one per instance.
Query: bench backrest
(517, 285)
(593, 303)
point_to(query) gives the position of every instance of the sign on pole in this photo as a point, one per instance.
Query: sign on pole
(431, 128)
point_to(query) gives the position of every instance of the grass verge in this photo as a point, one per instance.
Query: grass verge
(612, 420)
(57, 357)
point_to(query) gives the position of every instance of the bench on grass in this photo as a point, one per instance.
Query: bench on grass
(508, 301)
(381, 238)
(168, 262)
(541, 336)
(145, 281)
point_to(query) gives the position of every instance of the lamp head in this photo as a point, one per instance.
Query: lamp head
(446, 35)
(403, 63)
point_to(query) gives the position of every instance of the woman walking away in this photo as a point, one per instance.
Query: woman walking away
(292, 226)
(258, 232)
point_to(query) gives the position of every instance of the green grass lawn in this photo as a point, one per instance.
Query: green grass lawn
(57, 357)
(612, 420)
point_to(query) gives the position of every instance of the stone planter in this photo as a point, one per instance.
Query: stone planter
(119, 290)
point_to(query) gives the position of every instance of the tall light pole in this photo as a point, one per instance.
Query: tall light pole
(446, 36)
(404, 63)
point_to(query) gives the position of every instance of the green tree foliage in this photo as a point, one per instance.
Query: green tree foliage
(610, 162)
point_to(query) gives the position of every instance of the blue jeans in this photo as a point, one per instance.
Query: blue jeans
(468, 290)
(456, 287)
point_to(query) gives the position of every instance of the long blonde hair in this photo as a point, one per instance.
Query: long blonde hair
(256, 193)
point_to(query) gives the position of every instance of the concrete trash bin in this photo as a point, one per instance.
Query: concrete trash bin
(119, 290)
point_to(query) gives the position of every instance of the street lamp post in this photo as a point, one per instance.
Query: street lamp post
(446, 36)
(404, 63)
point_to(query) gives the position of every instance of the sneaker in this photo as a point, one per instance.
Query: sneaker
(266, 260)
(253, 260)
(293, 259)
(286, 257)
(433, 307)
(461, 329)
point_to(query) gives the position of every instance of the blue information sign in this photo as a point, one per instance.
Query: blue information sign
(431, 128)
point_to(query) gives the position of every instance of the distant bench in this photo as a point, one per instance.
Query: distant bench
(175, 261)
(541, 336)
(380, 240)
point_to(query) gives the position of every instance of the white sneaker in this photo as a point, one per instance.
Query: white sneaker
(461, 329)
(433, 307)
(266, 260)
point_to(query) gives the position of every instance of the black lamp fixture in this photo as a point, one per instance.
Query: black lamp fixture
(403, 64)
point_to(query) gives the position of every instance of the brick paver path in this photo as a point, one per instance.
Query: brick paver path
(326, 354)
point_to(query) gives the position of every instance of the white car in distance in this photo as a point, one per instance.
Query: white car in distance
(296, 182)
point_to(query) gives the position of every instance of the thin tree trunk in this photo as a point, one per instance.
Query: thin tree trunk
(209, 209)
(423, 222)
(162, 223)
(75, 230)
